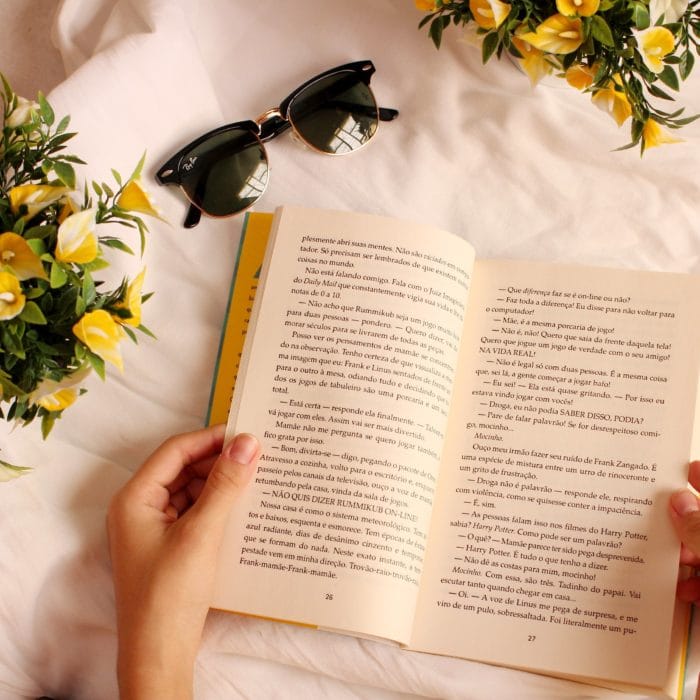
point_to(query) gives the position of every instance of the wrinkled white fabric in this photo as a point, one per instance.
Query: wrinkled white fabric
(522, 173)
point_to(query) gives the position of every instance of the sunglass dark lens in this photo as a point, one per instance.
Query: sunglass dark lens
(226, 173)
(336, 114)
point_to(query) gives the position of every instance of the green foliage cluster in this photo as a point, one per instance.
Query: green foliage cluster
(610, 47)
(39, 344)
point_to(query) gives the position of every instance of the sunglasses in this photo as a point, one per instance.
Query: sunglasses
(226, 171)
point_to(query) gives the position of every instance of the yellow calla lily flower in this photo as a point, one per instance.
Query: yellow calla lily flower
(489, 14)
(34, 197)
(58, 400)
(76, 241)
(557, 34)
(580, 76)
(68, 207)
(132, 301)
(655, 44)
(101, 333)
(135, 198)
(11, 298)
(533, 61)
(654, 135)
(613, 101)
(580, 8)
(16, 254)
(426, 5)
(55, 396)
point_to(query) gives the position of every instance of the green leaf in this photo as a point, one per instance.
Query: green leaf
(80, 306)
(31, 313)
(56, 143)
(117, 177)
(9, 93)
(9, 389)
(601, 31)
(637, 129)
(129, 332)
(36, 232)
(668, 77)
(37, 246)
(435, 33)
(11, 471)
(13, 344)
(147, 332)
(45, 110)
(686, 64)
(139, 166)
(671, 115)
(640, 15)
(685, 120)
(34, 293)
(98, 364)
(47, 422)
(88, 289)
(142, 234)
(424, 21)
(489, 45)
(58, 276)
(63, 124)
(658, 92)
(65, 173)
(95, 265)
(116, 243)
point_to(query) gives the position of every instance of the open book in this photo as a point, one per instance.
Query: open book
(466, 457)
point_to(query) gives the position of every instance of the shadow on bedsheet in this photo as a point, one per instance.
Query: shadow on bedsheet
(75, 642)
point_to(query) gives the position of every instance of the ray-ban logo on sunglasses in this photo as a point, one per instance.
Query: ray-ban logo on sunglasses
(334, 113)
(189, 163)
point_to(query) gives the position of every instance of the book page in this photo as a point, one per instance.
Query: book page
(347, 380)
(551, 547)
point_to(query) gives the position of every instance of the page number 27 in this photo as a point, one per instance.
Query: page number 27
(531, 637)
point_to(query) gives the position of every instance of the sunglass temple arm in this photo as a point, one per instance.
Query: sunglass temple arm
(193, 217)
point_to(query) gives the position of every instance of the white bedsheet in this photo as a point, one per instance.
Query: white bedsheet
(522, 173)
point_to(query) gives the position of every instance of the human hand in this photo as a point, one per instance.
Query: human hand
(685, 514)
(165, 528)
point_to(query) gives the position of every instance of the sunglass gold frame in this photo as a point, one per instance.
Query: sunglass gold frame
(270, 124)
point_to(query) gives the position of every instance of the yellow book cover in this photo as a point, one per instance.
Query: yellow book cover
(244, 283)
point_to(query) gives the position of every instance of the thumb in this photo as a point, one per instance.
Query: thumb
(685, 512)
(228, 477)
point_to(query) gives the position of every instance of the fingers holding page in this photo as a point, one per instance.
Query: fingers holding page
(179, 454)
(228, 477)
(186, 488)
(694, 475)
(685, 514)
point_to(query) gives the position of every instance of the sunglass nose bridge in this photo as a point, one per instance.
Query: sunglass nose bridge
(271, 123)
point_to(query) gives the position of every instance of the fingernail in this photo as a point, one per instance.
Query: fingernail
(242, 448)
(684, 502)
